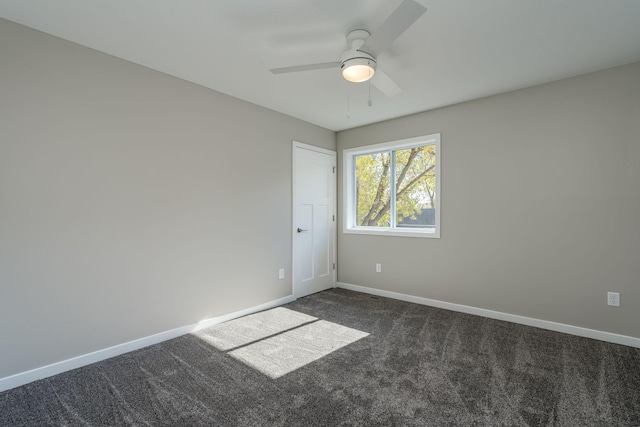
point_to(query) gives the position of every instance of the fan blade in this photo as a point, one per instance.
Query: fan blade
(396, 24)
(384, 84)
(307, 67)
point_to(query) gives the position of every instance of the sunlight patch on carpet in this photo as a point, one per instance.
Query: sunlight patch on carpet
(286, 352)
(252, 328)
(278, 341)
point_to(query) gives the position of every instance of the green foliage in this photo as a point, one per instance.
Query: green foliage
(414, 181)
(373, 190)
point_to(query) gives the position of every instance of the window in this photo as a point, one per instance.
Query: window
(393, 188)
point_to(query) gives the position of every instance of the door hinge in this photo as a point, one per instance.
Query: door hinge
(334, 265)
(334, 218)
(334, 169)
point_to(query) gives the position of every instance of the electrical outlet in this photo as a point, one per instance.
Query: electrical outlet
(378, 268)
(281, 273)
(613, 299)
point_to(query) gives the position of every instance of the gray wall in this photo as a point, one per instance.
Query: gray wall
(128, 201)
(555, 172)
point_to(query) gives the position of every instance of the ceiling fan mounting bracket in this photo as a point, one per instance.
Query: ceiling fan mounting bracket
(357, 35)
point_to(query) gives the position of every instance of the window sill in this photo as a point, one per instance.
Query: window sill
(430, 234)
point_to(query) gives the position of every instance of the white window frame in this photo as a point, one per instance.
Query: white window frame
(349, 193)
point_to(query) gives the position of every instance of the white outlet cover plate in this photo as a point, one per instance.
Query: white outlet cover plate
(613, 299)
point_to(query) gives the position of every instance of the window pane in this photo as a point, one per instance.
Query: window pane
(373, 190)
(416, 187)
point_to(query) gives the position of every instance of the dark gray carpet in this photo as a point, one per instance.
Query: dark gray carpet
(418, 366)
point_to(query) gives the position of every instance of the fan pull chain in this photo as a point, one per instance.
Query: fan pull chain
(369, 81)
(348, 103)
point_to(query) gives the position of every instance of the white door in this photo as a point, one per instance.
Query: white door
(314, 226)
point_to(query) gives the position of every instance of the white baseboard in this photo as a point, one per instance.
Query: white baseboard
(96, 356)
(513, 318)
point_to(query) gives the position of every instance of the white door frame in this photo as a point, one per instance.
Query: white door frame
(300, 145)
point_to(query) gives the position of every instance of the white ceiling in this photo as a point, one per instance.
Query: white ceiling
(459, 50)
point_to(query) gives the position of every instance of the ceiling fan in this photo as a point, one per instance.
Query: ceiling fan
(359, 62)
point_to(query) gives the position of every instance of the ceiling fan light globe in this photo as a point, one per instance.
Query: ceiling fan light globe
(358, 70)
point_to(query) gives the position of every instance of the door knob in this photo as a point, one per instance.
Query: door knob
(300, 230)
